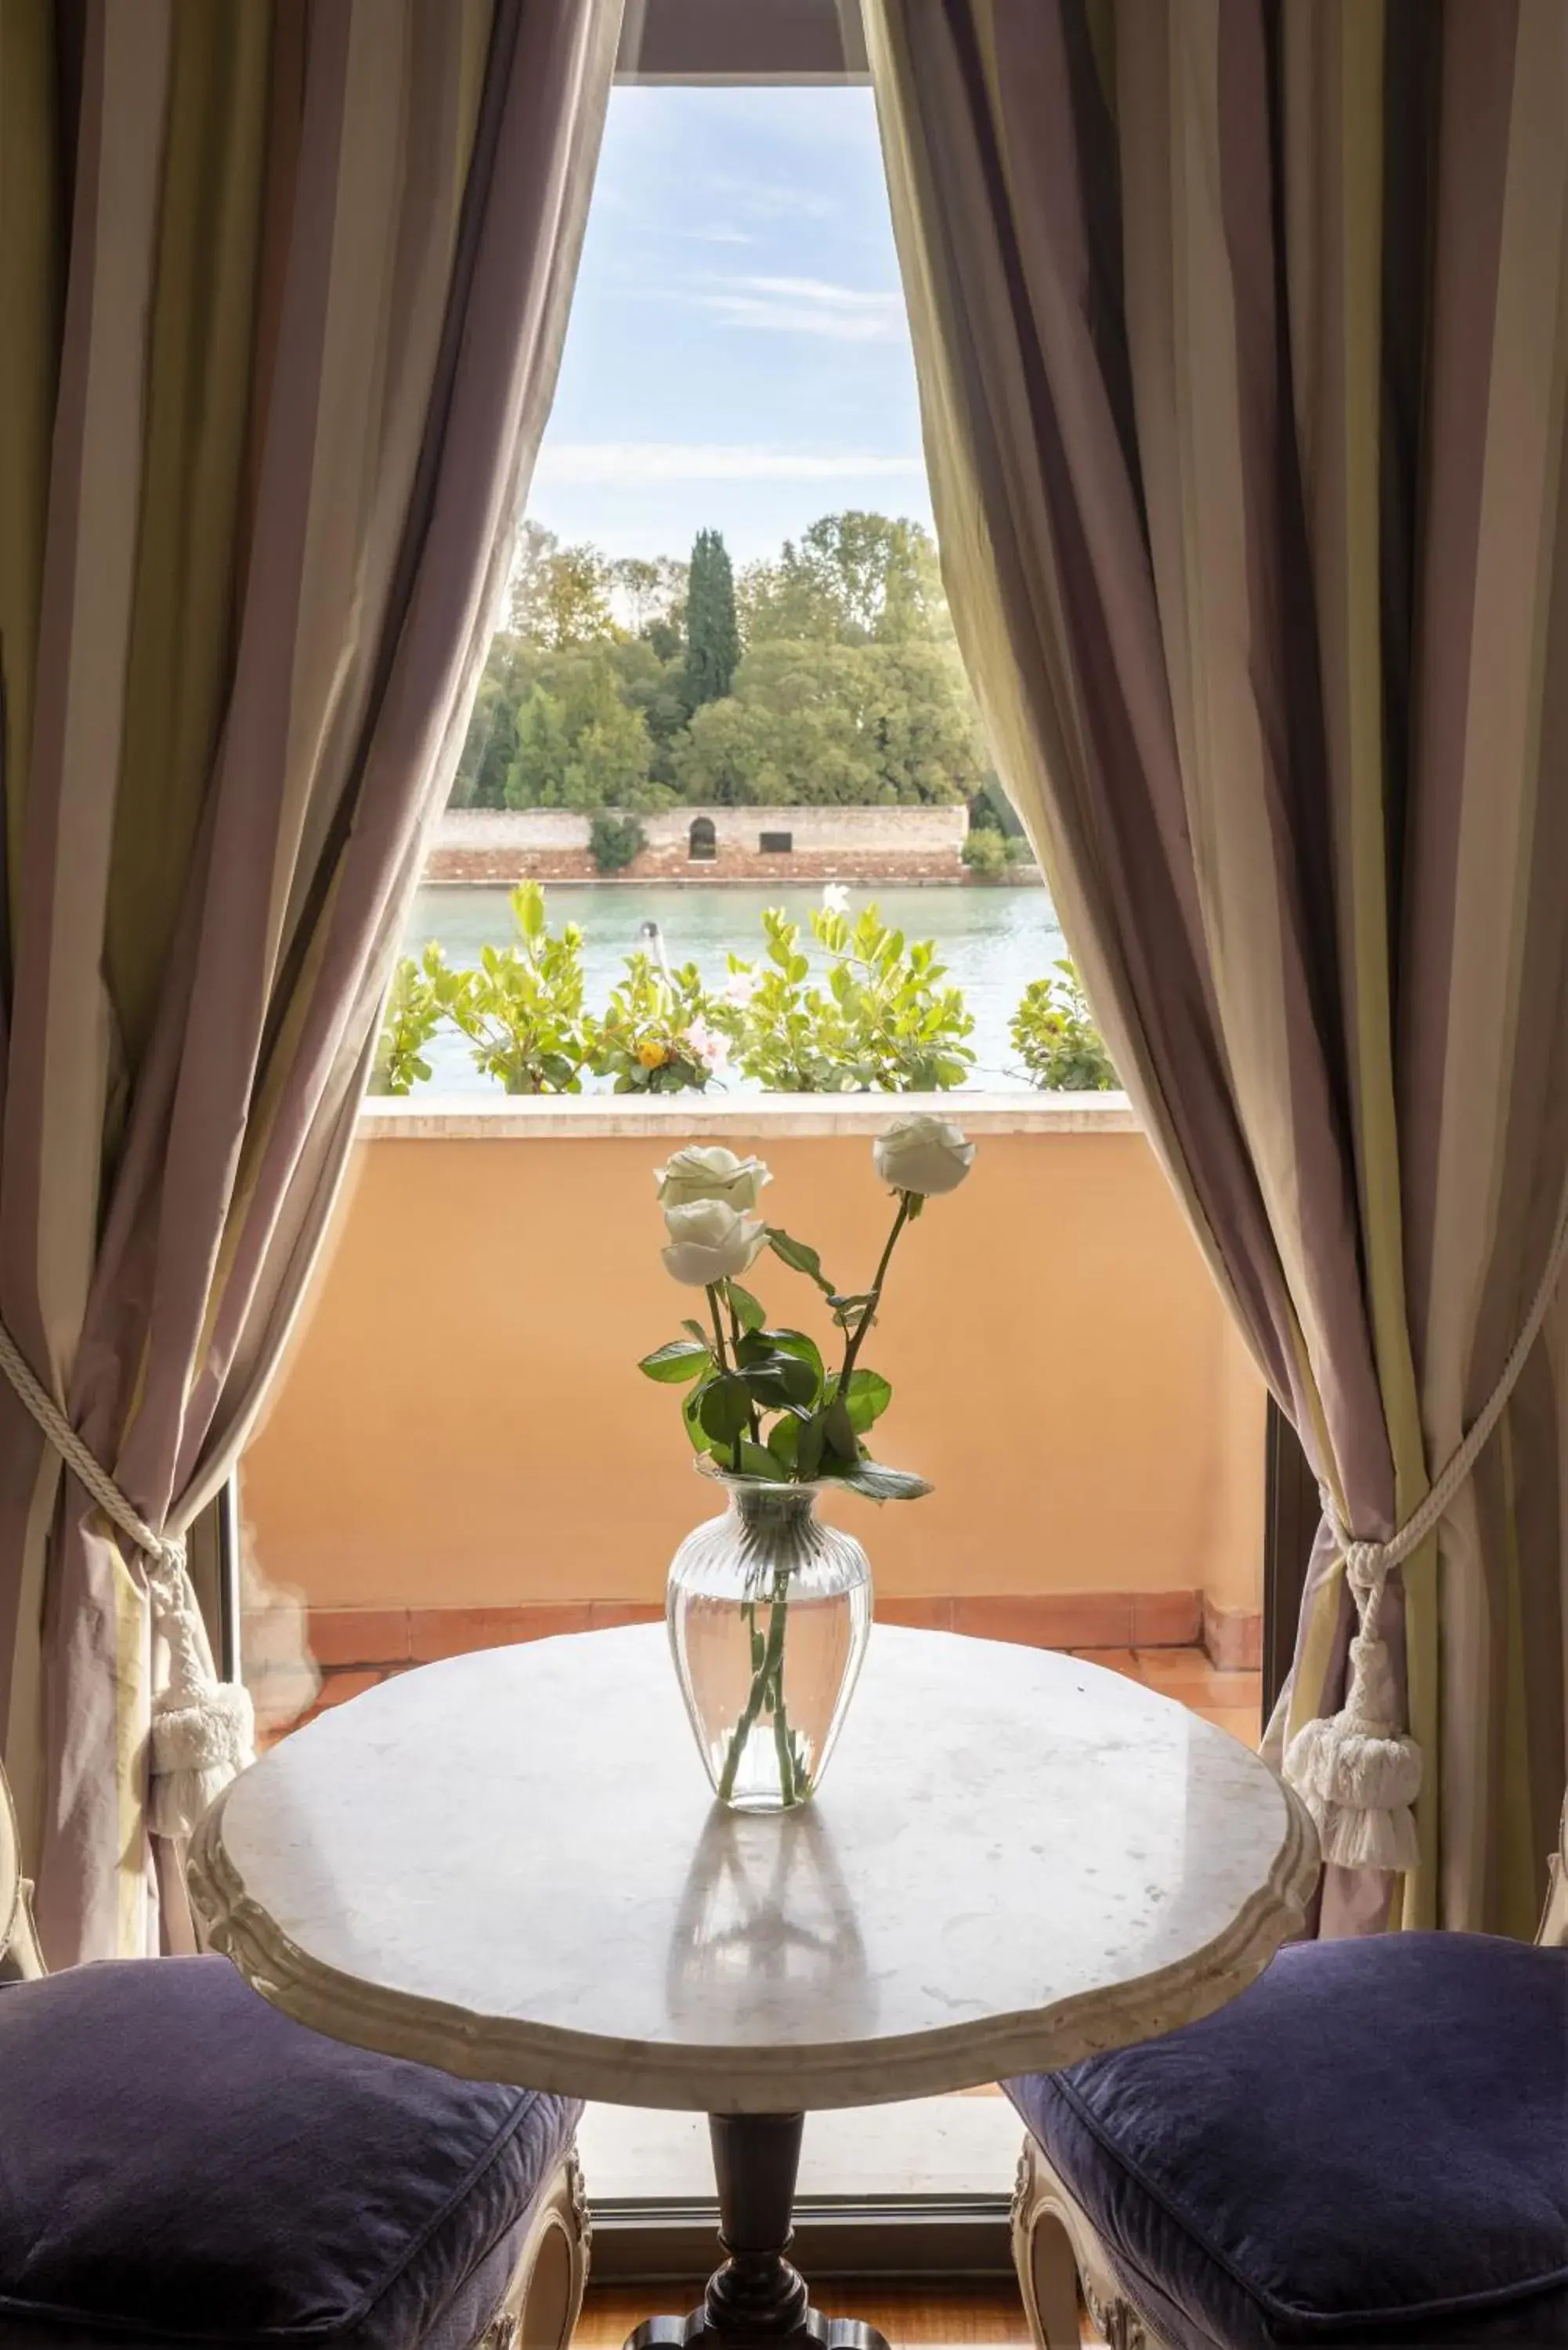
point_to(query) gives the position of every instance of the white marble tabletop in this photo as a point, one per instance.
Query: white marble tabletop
(510, 1865)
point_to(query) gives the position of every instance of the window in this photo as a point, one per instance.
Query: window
(737, 377)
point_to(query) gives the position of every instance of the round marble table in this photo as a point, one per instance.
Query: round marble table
(510, 1865)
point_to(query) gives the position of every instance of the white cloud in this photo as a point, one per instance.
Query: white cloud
(808, 306)
(781, 201)
(653, 465)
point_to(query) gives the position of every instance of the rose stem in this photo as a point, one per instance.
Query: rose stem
(869, 1315)
(735, 1342)
(771, 1666)
(723, 1361)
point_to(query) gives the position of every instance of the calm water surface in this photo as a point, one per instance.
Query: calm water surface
(993, 941)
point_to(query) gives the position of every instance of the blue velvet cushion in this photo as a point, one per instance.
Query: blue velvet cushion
(182, 2165)
(1369, 2148)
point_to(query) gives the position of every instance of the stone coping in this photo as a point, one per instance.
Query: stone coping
(556, 1118)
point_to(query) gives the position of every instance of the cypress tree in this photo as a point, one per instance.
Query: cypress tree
(713, 633)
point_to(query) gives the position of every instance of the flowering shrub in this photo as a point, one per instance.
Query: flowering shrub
(655, 1037)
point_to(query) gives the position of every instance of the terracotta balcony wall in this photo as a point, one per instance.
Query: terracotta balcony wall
(462, 1451)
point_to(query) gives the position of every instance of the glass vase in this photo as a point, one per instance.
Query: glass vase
(769, 1613)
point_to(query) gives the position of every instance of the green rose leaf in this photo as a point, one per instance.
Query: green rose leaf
(800, 1343)
(783, 1444)
(800, 1258)
(680, 1361)
(880, 1484)
(838, 1431)
(867, 1398)
(690, 1413)
(781, 1382)
(725, 1408)
(749, 1312)
(757, 1460)
(808, 1449)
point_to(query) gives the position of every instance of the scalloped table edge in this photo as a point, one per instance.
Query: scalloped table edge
(740, 2079)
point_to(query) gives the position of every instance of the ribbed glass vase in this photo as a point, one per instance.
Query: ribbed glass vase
(769, 1613)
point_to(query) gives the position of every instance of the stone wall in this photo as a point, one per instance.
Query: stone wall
(825, 844)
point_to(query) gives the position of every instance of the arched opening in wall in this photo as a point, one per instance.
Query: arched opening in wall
(703, 840)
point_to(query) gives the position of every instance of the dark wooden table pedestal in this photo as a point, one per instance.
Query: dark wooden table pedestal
(758, 2297)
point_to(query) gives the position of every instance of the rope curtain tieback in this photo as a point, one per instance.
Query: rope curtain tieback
(204, 1730)
(1359, 1770)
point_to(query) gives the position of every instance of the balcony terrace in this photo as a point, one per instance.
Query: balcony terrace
(461, 1452)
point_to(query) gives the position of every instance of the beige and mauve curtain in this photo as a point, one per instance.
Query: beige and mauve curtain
(284, 286)
(1243, 336)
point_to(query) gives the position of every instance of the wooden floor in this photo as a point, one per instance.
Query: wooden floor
(983, 2318)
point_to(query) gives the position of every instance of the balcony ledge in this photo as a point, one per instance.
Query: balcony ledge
(462, 1118)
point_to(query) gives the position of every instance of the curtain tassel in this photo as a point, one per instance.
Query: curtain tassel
(1358, 1773)
(204, 1730)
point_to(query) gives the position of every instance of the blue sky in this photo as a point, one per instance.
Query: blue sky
(738, 356)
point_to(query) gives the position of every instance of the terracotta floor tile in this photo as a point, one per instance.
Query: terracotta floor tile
(1242, 1721)
(1115, 1660)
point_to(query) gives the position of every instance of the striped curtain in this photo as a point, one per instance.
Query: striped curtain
(283, 286)
(1243, 336)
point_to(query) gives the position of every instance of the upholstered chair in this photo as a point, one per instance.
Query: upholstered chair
(1368, 2149)
(181, 2164)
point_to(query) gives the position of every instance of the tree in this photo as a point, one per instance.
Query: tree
(651, 591)
(712, 631)
(492, 738)
(578, 745)
(853, 578)
(560, 594)
(813, 724)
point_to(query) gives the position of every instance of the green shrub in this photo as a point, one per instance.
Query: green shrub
(658, 1035)
(884, 1024)
(985, 854)
(522, 1010)
(414, 1014)
(615, 841)
(1054, 1035)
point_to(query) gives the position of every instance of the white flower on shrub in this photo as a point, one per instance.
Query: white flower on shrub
(710, 1243)
(711, 1173)
(711, 1049)
(922, 1154)
(835, 897)
(740, 988)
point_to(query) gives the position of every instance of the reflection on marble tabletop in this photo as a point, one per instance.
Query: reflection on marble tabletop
(510, 1860)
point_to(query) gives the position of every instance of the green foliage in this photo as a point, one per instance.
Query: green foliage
(850, 692)
(1054, 1035)
(493, 733)
(578, 743)
(615, 841)
(560, 594)
(713, 633)
(826, 725)
(656, 1024)
(851, 578)
(985, 854)
(522, 1009)
(414, 1014)
(883, 1023)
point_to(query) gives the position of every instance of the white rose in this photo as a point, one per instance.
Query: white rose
(710, 1243)
(713, 1174)
(926, 1155)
